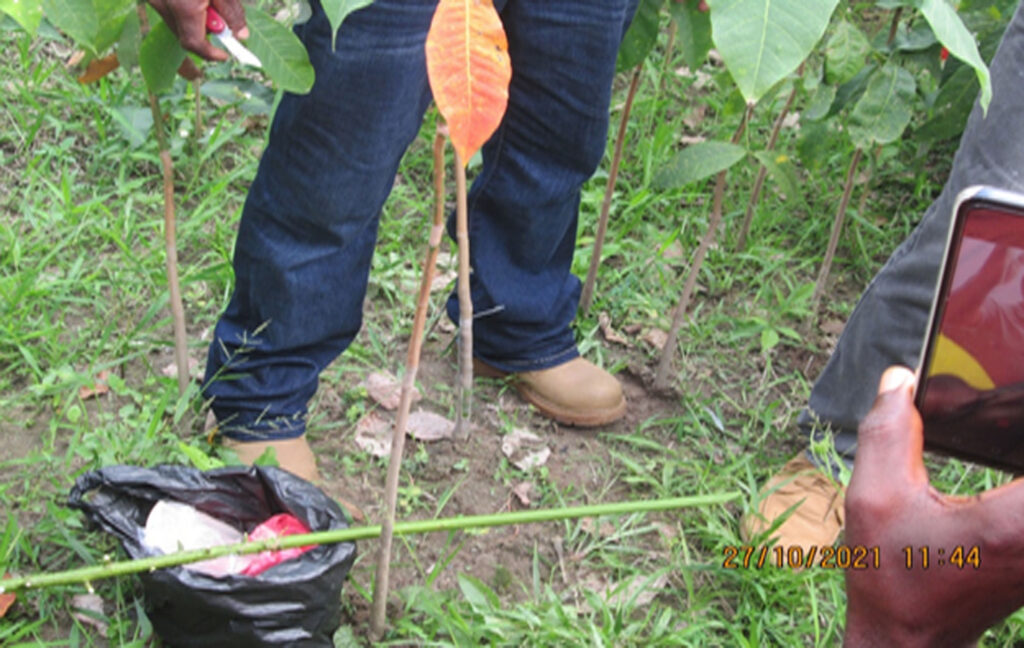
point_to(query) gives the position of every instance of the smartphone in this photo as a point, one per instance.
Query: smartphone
(970, 389)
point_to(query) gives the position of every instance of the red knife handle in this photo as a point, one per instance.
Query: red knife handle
(214, 23)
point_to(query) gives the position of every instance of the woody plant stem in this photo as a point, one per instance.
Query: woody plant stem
(378, 614)
(679, 314)
(112, 569)
(587, 296)
(464, 403)
(170, 235)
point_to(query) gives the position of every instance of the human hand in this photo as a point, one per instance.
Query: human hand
(187, 19)
(891, 505)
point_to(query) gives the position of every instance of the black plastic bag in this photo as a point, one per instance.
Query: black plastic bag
(294, 603)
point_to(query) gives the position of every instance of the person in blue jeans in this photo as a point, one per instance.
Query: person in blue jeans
(310, 221)
(888, 325)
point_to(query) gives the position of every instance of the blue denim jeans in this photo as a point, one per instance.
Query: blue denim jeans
(309, 224)
(888, 325)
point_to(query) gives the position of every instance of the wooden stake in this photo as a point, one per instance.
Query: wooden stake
(378, 615)
(170, 235)
(464, 391)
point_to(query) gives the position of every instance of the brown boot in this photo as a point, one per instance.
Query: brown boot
(818, 517)
(294, 455)
(577, 392)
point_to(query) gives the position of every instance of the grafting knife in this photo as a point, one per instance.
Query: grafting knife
(216, 26)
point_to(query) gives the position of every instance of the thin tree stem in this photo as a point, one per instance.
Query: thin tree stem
(679, 314)
(170, 235)
(586, 297)
(464, 410)
(378, 615)
(666, 67)
(837, 228)
(112, 569)
(762, 172)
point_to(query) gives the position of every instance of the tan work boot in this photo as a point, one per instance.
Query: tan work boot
(294, 455)
(577, 392)
(818, 517)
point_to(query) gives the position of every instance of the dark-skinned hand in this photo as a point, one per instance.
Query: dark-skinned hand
(187, 19)
(891, 505)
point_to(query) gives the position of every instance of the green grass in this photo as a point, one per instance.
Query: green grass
(83, 289)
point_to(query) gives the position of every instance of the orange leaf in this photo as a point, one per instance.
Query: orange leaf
(469, 71)
(99, 68)
(6, 600)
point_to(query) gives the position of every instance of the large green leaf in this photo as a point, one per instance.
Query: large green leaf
(820, 104)
(762, 41)
(76, 18)
(159, 57)
(883, 111)
(641, 35)
(693, 31)
(134, 122)
(338, 10)
(697, 162)
(283, 56)
(94, 25)
(112, 15)
(783, 172)
(845, 53)
(27, 13)
(952, 106)
(952, 33)
(130, 41)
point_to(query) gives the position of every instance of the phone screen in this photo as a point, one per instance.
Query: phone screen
(971, 395)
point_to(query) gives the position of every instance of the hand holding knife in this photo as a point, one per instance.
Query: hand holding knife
(216, 26)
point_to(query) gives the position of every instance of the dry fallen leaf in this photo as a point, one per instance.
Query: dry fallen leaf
(77, 57)
(99, 68)
(641, 587)
(442, 280)
(833, 327)
(632, 329)
(656, 338)
(605, 529)
(386, 390)
(373, 434)
(171, 370)
(674, 250)
(98, 387)
(605, 322)
(6, 600)
(522, 492)
(428, 426)
(88, 608)
(525, 449)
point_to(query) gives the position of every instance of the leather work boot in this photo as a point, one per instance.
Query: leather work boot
(577, 392)
(818, 517)
(294, 455)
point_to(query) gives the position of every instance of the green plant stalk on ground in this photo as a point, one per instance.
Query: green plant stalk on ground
(121, 568)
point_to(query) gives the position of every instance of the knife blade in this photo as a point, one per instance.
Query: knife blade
(216, 26)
